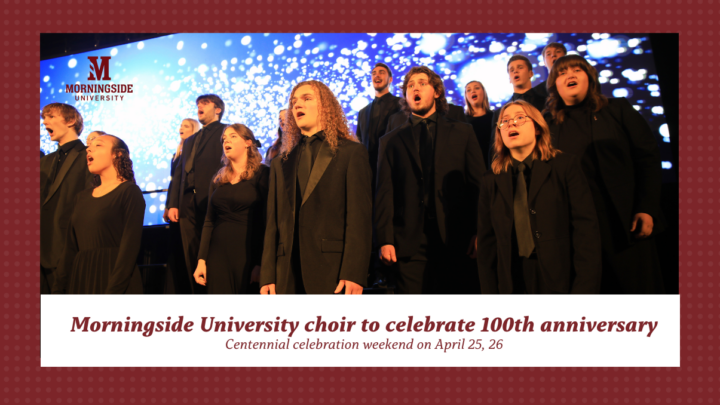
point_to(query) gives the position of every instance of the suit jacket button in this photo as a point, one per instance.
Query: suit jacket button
(538, 235)
(533, 212)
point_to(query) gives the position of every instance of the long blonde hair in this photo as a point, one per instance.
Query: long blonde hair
(330, 115)
(543, 144)
(485, 102)
(195, 128)
(254, 159)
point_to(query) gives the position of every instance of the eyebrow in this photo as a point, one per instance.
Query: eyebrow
(302, 95)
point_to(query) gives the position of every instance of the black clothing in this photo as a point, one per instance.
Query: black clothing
(372, 124)
(563, 223)
(232, 238)
(309, 148)
(56, 204)
(190, 189)
(541, 90)
(330, 226)
(103, 243)
(621, 161)
(482, 126)
(400, 118)
(403, 216)
(181, 282)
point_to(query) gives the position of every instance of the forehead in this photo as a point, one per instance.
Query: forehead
(304, 90)
(473, 84)
(51, 111)
(205, 102)
(378, 69)
(514, 110)
(554, 49)
(419, 77)
(230, 131)
(517, 63)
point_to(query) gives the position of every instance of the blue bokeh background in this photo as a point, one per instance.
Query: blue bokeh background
(254, 73)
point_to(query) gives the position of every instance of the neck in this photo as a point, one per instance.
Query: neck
(239, 165)
(67, 138)
(430, 112)
(523, 88)
(385, 90)
(208, 123)
(575, 100)
(109, 177)
(310, 132)
(478, 110)
(520, 154)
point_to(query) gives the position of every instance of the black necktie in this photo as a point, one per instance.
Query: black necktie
(305, 163)
(523, 231)
(425, 147)
(196, 145)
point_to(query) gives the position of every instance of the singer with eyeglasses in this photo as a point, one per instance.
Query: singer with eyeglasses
(537, 227)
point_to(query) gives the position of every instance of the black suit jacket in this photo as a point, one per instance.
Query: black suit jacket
(207, 163)
(335, 224)
(564, 226)
(629, 161)
(399, 209)
(369, 132)
(56, 204)
(455, 113)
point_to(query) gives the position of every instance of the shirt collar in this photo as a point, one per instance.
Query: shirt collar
(528, 162)
(414, 119)
(67, 147)
(319, 135)
(384, 97)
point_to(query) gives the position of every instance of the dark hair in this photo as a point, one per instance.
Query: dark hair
(556, 45)
(519, 57)
(441, 104)
(69, 114)
(555, 104)
(216, 100)
(382, 65)
(121, 161)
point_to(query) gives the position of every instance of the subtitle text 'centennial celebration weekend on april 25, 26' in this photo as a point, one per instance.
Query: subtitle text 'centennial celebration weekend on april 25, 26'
(495, 199)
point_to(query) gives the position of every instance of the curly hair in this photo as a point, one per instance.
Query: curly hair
(121, 161)
(543, 145)
(485, 102)
(254, 158)
(441, 104)
(555, 104)
(331, 118)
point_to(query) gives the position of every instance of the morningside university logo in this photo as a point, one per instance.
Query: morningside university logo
(99, 72)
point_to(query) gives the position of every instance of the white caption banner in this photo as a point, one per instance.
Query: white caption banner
(283, 331)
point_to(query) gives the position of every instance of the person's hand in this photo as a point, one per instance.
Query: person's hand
(387, 255)
(472, 248)
(201, 273)
(173, 214)
(165, 215)
(643, 225)
(268, 289)
(255, 275)
(350, 287)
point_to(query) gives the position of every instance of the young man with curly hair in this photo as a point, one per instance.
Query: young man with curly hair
(319, 229)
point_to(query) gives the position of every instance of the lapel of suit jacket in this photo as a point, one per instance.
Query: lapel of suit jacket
(289, 169)
(325, 155)
(540, 172)
(207, 134)
(504, 184)
(406, 134)
(69, 159)
(368, 121)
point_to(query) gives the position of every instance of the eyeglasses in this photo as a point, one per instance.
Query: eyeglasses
(519, 120)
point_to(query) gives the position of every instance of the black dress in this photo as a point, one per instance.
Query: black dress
(103, 243)
(629, 266)
(482, 126)
(233, 235)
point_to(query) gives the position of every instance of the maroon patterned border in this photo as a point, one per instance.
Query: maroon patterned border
(24, 381)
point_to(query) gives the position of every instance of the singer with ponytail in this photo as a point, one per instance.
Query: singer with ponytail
(232, 238)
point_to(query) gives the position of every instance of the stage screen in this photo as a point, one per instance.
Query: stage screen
(254, 73)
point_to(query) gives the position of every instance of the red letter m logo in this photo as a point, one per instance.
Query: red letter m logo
(102, 72)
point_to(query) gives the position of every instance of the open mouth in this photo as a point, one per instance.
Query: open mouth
(417, 98)
(516, 77)
(513, 133)
(89, 159)
(300, 114)
(571, 84)
(474, 97)
(227, 148)
(49, 130)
